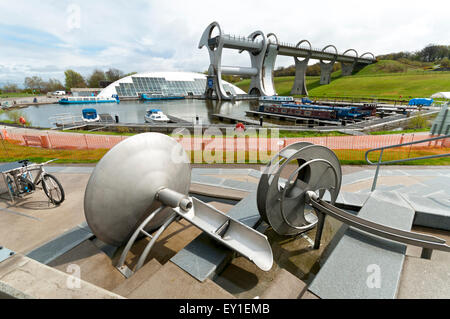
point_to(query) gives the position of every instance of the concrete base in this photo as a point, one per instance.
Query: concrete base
(95, 266)
(425, 279)
(131, 284)
(285, 286)
(171, 282)
(422, 278)
(36, 280)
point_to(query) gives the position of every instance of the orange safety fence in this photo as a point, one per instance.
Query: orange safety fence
(346, 147)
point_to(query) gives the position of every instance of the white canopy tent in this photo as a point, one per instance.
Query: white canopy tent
(441, 95)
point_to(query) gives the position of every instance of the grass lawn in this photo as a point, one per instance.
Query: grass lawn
(282, 133)
(8, 95)
(373, 81)
(401, 132)
(101, 133)
(11, 152)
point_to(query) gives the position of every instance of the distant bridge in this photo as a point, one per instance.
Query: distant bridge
(263, 53)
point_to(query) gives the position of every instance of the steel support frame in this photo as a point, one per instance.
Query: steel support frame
(301, 66)
(224, 229)
(428, 243)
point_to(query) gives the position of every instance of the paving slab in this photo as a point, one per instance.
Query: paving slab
(358, 254)
(220, 171)
(422, 190)
(70, 169)
(218, 192)
(254, 173)
(206, 179)
(233, 181)
(32, 221)
(432, 211)
(357, 176)
(353, 199)
(425, 279)
(285, 286)
(36, 280)
(135, 281)
(439, 183)
(171, 282)
(61, 244)
(244, 186)
(309, 295)
(95, 266)
(349, 199)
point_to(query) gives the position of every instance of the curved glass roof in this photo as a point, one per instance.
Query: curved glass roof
(162, 83)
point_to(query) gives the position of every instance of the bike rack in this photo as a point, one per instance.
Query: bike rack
(12, 169)
(5, 170)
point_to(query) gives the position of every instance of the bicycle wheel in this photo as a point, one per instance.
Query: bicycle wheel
(53, 189)
(11, 185)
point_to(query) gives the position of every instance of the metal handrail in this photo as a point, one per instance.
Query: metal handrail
(379, 162)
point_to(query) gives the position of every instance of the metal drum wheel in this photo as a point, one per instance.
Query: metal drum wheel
(281, 202)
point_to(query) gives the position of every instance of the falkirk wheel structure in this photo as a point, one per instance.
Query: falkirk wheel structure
(263, 50)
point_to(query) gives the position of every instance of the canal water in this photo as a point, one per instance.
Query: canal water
(134, 111)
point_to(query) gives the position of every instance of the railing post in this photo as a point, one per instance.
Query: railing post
(426, 253)
(320, 224)
(374, 184)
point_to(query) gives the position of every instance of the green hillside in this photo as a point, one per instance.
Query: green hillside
(384, 79)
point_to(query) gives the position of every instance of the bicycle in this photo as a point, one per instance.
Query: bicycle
(20, 181)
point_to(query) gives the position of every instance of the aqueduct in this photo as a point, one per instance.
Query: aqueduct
(263, 53)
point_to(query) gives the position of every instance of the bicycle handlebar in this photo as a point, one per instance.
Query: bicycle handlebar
(26, 162)
(55, 159)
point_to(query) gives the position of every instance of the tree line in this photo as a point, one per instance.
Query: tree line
(432, 53)
(73, 79)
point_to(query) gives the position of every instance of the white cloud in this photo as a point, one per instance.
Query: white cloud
(163, 35)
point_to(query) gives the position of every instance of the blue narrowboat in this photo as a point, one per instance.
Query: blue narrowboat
(155, 97)
(89, 100)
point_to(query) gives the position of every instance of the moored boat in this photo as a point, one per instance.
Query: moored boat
(154, 97)
(90, 115)
(276, 99)
(156, 116)
(88, 100)
(295, 110)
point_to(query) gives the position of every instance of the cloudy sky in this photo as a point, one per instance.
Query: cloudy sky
(48, 36)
